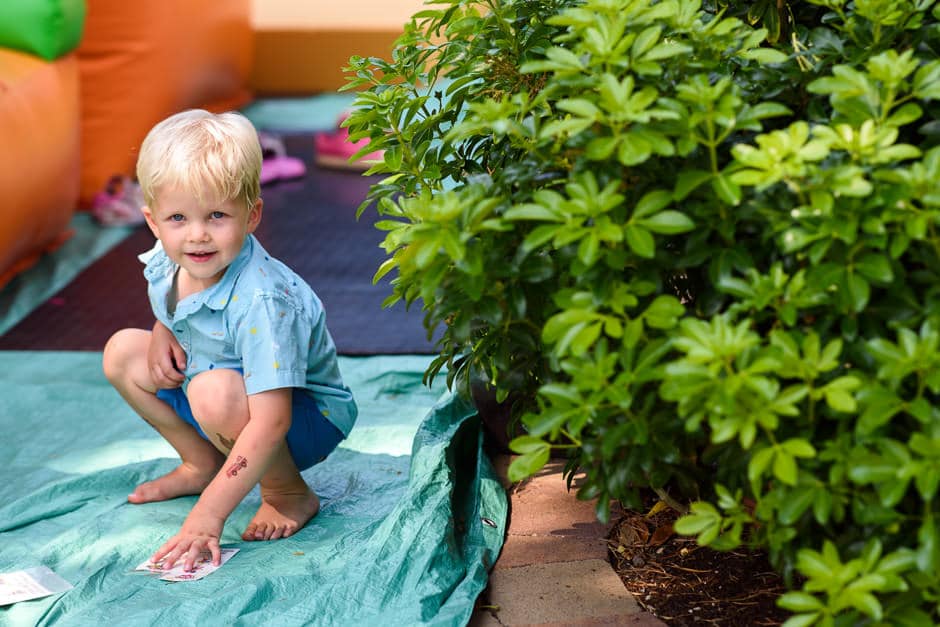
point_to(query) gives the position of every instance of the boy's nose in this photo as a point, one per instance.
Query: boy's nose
(198, 233)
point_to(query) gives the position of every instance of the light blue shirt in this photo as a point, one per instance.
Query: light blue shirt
(260, 318)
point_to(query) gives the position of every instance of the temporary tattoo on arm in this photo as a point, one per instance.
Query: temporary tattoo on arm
(224, 441)
(240, 462)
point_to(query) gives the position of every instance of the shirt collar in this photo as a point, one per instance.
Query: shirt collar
(216, 297)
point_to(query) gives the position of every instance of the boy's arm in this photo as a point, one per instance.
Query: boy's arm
(270, 419)
(166, 359)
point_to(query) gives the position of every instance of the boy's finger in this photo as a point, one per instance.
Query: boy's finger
(196, 552)
(166, 379)
(216, 553)
(179, 358)
(164, 557)
(159, 375)
(171, 378)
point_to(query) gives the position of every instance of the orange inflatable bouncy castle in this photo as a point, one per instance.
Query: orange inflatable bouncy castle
(142, 61)
(39, 143)
(81, 84)
(39, 129)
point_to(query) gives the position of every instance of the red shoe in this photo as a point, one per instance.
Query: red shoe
(334, 149)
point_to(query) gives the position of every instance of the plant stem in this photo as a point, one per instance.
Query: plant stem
(671, 502)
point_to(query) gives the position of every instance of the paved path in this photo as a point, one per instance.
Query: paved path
(553, 569)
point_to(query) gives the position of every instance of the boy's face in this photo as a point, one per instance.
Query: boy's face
(203, 239)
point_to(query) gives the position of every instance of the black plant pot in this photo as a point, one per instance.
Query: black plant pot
(499, 428)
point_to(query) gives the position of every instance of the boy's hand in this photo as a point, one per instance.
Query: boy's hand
(166, 359)
(199, 535)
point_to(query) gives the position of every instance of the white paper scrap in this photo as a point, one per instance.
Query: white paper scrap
(201, 568)
(32, 583)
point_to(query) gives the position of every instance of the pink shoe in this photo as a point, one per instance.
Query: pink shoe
(119, 203)
(334, 149)
(276, 165)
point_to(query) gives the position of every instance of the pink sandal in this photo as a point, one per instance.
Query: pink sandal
(119, 203)
(334, 149)
(276, 165)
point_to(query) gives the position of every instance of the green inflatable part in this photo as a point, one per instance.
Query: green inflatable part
(45, 28)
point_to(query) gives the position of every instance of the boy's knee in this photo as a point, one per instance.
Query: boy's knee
(120, 348)
(216, 396)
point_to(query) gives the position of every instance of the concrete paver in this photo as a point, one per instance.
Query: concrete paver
(547, 549)
(553, 570)
(559, 592)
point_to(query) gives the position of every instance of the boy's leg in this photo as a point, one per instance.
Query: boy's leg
(219, 403)
(125, 366)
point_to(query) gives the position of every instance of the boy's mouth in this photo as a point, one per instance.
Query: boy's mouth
(200, 257)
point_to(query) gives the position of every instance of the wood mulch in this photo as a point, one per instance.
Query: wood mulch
(682, 583)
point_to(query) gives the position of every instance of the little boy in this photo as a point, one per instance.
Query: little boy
(239, 373)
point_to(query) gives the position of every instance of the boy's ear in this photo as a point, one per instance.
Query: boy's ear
(254, 215)
(148, 216)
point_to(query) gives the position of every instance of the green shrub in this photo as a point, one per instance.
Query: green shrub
(700, 243)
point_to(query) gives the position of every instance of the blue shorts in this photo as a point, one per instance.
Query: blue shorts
(311, 436)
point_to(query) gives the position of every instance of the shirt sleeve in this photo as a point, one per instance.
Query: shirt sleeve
(273, 341)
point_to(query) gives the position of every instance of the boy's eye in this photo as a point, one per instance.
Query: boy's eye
(217, 215)
(177, 217)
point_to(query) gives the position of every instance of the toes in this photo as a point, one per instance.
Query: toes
(249, 533)
(141, 494)
(263, 532)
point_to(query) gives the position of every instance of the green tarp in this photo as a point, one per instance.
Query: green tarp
(412, 515)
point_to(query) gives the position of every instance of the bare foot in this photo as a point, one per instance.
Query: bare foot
(185, 479)
(281, 514)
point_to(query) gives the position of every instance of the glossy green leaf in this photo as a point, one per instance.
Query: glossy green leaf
(727, 189)
(759, 463)
(532, 211)
(799, 602)
(858, 290)
(801, 620)
(785, 468)
(667, 222)
(581, 107)
(688, 181)
(527, 464)
(650, 203)
(664, 312)
(840, 400)
(640, 241)
(876, 267)
(633, 149)
(797, 502)
(765, 56)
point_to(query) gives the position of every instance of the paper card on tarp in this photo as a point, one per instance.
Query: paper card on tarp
(31, 583)
(202, 568)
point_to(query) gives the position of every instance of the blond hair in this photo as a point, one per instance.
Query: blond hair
(214, 157)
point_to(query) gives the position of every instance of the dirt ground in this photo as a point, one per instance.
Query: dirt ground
(682, 583)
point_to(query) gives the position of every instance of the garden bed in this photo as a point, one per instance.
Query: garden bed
(682, 583)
